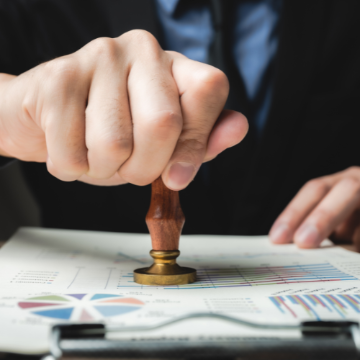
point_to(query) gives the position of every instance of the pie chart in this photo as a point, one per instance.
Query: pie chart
(80, 307)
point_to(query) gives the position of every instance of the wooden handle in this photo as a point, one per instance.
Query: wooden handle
(165, 218)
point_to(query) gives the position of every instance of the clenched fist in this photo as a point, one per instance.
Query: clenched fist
(119, 110)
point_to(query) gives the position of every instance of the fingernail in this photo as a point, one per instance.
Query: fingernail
(279, 234)
(308, 236)
(180, 174)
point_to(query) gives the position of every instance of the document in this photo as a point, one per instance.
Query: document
(49, 277)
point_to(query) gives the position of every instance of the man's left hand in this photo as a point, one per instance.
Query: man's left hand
(324, 207)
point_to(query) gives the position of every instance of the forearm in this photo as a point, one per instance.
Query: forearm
(5, 79)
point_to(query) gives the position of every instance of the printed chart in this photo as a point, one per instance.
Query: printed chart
(81, 307)
(318, 306)
(256, 276)
(195, 258)
(34, 277)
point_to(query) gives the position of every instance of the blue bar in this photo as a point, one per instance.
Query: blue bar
(350, 303)
(310, 299)
(323, 302)
(353, 299)
(311, 309)
(324, 264)
(339, 301)
(334, 307)
(276, 304)
(291, 298)
(317, 278)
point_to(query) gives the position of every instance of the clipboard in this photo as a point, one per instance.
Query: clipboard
(45, 249)
(320, 340)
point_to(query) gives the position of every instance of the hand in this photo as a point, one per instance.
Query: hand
(326, 206)
(119, 110)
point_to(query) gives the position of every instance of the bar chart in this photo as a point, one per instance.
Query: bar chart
(255, 276)
(319, 307)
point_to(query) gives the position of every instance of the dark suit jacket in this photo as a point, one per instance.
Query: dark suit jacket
(312, 130)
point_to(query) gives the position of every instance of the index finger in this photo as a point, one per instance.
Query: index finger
(337, 205)
(299, 208)
(203, 92)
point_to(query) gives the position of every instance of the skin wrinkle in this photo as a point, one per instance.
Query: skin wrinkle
(164, 121)
(116, 100)
(185, 151)
(335, 211)
(24, 118)
(115, 118)
(109, 128)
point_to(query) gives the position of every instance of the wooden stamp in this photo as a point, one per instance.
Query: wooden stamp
(165, 221)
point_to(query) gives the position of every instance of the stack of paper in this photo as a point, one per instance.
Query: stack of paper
(56, 276)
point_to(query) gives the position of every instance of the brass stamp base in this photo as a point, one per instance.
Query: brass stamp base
(165, 270)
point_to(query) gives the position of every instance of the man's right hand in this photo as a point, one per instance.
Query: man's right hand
(119, 110)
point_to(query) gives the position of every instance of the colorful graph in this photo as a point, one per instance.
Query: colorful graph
(81, 307)
(318, 306)
(256, 276)
(236, 256)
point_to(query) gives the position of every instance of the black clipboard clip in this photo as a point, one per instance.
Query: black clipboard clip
(318, 340)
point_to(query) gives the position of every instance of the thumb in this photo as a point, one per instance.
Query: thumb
(229, 130)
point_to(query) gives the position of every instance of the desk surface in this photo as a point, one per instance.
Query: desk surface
(347, 247)
(10, 357)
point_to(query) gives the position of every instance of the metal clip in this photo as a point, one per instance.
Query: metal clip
(89, 340)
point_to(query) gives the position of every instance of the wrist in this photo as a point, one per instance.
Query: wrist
(5, 80)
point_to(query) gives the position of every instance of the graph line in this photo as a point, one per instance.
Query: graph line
(256, 276)
(107, 281)
(77, 273)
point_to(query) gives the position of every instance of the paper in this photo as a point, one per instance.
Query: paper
(57, 276)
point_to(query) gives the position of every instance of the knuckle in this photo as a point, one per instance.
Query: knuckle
(144, 41)
(323, 217)
(191, 146)
(60, 77)
(118, 145)
(191, 151)
(104, 48)
(113, 145)
(318, 186)
(74, 164)
(141, 37)
(72, 157)
(28, 106)
(353, 170)
(60, 69)
(351, 182)
(213, 80)
(165, 123)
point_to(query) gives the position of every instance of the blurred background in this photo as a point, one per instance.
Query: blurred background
(17, 205)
